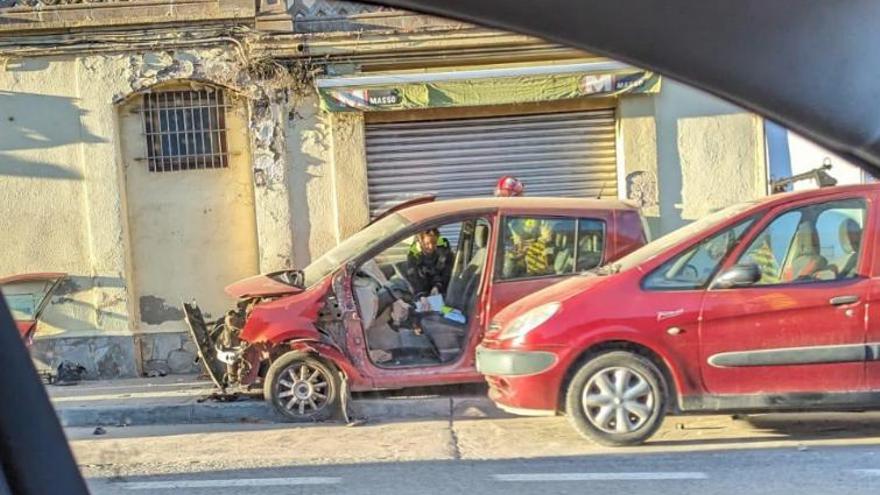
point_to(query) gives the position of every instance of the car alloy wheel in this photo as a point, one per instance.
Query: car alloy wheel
(618, 400)
(302, 387)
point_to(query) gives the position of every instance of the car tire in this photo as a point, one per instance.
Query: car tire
(302, 387)
(617, 398)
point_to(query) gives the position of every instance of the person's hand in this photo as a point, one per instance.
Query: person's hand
(435, 291)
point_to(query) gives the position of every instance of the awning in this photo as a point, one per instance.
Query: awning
(483, 86)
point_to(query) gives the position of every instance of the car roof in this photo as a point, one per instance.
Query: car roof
(788, 197)
(528, 204)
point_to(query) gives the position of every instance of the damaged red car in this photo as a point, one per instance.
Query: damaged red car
(354, 320)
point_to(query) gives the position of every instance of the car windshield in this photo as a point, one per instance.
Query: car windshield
(652, 249)
(356, 244)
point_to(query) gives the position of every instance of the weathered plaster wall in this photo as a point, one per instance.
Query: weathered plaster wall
(706, 154)
(62, 203)
(43, 183)
(350, 167)
(328, 176)
(311, 180)
(192, 232)
(638, 154)
(63, 189)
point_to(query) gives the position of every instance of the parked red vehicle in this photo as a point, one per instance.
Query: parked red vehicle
(768, 305)
(350, 318)
(27, 295)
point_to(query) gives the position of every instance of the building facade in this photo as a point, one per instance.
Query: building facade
(157, 151)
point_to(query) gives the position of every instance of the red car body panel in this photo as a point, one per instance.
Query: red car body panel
(356, 380)
(683, 329)
(287, 319)
(262, 285)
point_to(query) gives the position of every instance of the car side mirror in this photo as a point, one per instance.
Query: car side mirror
(741, 275)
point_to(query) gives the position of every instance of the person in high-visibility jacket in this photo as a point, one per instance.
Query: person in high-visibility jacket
(429, 263)
(539, 253)
(529, 250)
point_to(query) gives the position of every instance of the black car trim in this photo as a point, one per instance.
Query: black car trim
(800, 401)
(826, 354)
(513, 363)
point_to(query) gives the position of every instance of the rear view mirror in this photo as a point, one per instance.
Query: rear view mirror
(738, 276)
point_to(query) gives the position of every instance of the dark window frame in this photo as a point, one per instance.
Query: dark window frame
(498, 262)
(867, 209)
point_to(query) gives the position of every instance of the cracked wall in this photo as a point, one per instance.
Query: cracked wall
(670, 140)
(328, 176)
(62, 161)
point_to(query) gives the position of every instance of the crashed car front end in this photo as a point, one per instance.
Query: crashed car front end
(238, 347)
(219, 344)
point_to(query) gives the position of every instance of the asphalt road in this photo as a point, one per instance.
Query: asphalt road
(803, 454)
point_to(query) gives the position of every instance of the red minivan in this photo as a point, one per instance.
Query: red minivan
(769, 305)
(350, 320)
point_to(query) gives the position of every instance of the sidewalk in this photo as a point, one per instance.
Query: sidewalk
(186, 399)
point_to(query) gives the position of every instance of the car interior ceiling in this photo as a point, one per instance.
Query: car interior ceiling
(396, 331)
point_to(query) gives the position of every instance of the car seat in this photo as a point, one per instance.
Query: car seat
(563, 262)
(448, 335)
(850, 238)
(805, 260)
(463, 286)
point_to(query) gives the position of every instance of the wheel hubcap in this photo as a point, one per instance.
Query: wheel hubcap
(618, 400)
(302, 389)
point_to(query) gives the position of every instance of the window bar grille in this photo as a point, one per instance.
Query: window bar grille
(185, 130)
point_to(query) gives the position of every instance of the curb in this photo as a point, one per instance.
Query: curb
(258, 411)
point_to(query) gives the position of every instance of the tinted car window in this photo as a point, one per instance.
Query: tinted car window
(817, 242)
(693, 268)
(535, 247)
(771, 246)
(591, 244)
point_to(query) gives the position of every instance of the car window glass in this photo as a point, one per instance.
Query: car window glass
(591, 243)
(840, 233)
(395, 256)
(535, 247)
(358, 243)
(817, 242)
(693, 268)
(770, 247)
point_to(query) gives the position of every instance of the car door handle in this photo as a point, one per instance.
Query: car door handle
(842, 300)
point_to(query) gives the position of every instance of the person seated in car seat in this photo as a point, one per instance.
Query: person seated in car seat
(539, 255)
(429, 263)
(522, 232)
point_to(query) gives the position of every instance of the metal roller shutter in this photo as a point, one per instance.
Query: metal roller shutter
(560, 154)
